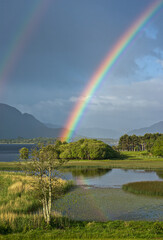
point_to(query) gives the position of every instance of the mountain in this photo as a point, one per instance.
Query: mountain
(155, 128)
(51, 125)
(99, 133)
(14, 124)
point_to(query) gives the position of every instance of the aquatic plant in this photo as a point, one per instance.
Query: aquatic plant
(152, 188)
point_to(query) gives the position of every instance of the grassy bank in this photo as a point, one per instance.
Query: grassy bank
(152, 188)
(131, 160)
(64, 229)
(10, 166)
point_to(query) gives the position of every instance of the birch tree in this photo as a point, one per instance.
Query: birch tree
(43, 163)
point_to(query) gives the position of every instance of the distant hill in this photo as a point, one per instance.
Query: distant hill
(109, 141)
(99, 133)
(51, 125)
(14, 124)
(155, 128)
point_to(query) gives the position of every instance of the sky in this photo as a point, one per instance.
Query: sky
(51, 48)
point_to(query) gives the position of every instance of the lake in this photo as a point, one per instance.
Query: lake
(108, 178)
(10, 152)
(98, 195)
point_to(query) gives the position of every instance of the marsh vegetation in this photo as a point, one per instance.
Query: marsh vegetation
(151, 188)
(20, 207)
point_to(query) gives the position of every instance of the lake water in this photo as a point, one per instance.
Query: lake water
(98, 195)
(110, 178)
(10, 152)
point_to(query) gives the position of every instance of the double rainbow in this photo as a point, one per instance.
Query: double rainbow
(21, 39)
(105, 67)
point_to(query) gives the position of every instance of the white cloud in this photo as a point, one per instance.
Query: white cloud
(151, 31)
(160, 62)
(117, 106)
(76, 99)
(138, 95)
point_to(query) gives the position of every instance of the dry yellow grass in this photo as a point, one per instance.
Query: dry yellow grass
(19, 198)
(16, 187)
(8, 216)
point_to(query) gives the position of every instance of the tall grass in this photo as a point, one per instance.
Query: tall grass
(152, 188)
(19, 208)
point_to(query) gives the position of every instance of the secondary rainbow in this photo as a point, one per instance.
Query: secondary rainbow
(105, 67)
(21, 38)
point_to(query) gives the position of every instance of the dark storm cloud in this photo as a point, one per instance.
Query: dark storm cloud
(67, 46)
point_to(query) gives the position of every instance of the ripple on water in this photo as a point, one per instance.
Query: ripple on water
(103, 204)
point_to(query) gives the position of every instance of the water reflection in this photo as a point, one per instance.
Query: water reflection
(96, 172)
(103, 204)
(160, 174)
(110, 178)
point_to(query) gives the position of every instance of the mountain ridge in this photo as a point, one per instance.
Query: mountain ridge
(15, 124)
(154, 128)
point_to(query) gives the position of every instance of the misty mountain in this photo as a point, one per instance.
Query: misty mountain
(14, 124)
(99, 133)
(155, 128)
(51, 125)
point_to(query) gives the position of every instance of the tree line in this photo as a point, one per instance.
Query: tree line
(147, 142)
(37, 140)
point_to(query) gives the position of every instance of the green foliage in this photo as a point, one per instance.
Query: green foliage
(90, 149)
(62, 228)
(24, 153)
(157, 149)
(138, 143)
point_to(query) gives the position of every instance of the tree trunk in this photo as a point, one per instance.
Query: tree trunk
(50, 194)
(44, 211)
(47, 212)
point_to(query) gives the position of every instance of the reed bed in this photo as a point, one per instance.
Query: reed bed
(152, 188)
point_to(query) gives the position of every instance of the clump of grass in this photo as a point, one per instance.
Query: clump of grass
(152, 188)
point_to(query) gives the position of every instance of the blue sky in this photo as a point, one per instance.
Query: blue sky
(65, 48)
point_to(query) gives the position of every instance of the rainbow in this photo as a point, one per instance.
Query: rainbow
(98, 210)
(21, 39)
(105, 67)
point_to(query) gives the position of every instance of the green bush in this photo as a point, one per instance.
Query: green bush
(90, 149)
